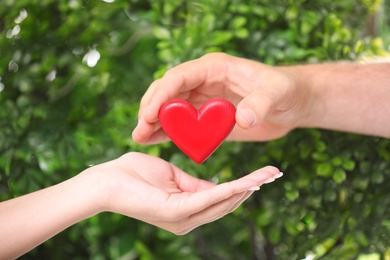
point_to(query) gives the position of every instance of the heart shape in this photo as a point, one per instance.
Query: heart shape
(197, 133)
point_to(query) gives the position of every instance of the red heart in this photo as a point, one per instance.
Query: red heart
(197, 133)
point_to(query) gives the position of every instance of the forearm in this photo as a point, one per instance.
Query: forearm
(28, 221)
(347, 97)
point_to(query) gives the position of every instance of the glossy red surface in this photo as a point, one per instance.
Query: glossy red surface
(197, 133)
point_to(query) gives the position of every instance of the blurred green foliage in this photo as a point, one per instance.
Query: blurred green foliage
(73, 73)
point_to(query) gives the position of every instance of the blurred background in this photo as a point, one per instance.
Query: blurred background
(72, 74)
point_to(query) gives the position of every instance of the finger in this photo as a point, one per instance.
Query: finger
(262, 175)
(245, 196)
(157, 137)
(207, 215)
(213, 212)
(146, 98)
(205, 198)
(143, 131)
(189, 183)
(175, 81)
(181, 225)
(147, 133)
(145, 101)
(168, 87)
(185, 77)
(254, 108)
(221, 209)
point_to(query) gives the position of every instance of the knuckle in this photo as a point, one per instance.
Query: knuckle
(127, 156)
(215, 56)
(170, 72)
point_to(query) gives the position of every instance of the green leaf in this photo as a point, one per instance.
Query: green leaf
(339, 175)
(348, 165)
(324, 169)
(143, 251)
(238, 22)
(219, 37)
(161, 33)
(241, 33)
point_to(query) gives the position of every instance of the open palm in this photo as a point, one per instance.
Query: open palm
(154, 191)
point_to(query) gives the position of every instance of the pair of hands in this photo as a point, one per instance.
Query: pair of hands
(267, 108)
(148, 188)
(270, 102)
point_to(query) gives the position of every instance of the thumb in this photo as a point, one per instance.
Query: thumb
(254, 108)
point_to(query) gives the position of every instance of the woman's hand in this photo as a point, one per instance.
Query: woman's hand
(154, 191)
(136, 185)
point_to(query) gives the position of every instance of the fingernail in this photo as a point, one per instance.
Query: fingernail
(255, 188)
(269, 180)
(248, 116)
(280, 174)
(276, 176)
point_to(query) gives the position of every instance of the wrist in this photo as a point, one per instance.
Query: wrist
(108, 183)
(93, 188)
(310, 104)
